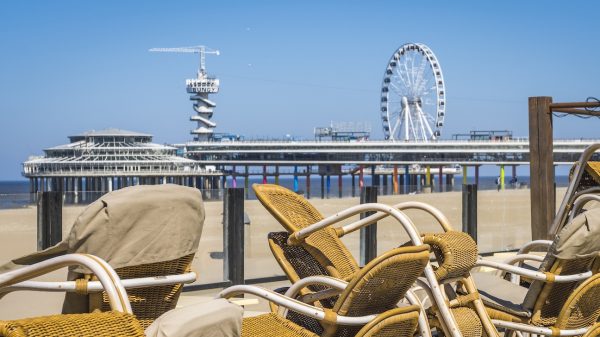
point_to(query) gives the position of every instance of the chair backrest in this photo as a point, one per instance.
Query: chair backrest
(100, 324)
(141, 231)
(379, 286)
(590, 176)
(582, 308)
(398, 322)
(294, 213)
(576, 249)
(149, 303)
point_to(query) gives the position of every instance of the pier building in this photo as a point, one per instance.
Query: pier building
(106, 160)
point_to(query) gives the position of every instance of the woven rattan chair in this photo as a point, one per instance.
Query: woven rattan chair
(572, 258)
(310, 247)
(375, 289)
(148, 234)
(584, 179)
(117, 322)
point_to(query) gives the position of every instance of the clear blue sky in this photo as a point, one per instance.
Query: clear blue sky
(285, 67)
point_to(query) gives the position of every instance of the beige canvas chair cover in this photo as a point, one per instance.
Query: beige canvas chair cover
(131, 227)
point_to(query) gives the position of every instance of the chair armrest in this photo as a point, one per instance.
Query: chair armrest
(529, 246)
(404, 220)
(291, 304)
(536, 275)
(96, 286)
(106, 275)
(538, 329)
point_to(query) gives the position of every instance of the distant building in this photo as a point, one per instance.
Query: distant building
(106, 160)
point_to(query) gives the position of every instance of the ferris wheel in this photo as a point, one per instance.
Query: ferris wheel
(413, 103)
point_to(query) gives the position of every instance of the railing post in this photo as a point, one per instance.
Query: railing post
(541, 166)
(368, 234)
(469, 210)
(233, 235)
(49, 219)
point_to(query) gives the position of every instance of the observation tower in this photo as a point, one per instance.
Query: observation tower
(200, 88)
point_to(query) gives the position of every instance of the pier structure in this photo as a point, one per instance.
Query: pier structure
(431, 166)
(110, 159)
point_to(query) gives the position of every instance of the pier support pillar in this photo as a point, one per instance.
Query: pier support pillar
(264, 181)
(477, 175)
(502, 177)
(361, 178)
(441, 179)
(340, 185)
(514, 176)
(449, 182)
(406, 179)
(328, 181)
(427, 188)
(246, 181)
(395, 180)
(322, 186)
(296, 179)
(308, 182)
(110, 184)
(353, 185)
(385, 184)
(465, 173)
(374, 177)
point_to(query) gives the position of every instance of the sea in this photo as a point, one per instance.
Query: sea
(15, 194)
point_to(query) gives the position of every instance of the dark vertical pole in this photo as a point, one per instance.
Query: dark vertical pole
(322, 186)
(49, 219)
(353, 186)
(469, 210)
(541, 166)
(233, 235)
(368, 234)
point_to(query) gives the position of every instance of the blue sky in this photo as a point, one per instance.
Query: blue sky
(285, 67)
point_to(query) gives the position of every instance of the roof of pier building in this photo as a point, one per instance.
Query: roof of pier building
(110, 152)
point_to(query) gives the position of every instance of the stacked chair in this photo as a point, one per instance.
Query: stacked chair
(310, 246)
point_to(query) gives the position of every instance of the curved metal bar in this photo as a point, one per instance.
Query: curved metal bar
(292, 304)
(96, 286)
(108, 278)
(579, 202)
(295, 288)
(561, 215)
(349, 212)
(533, 274)
(523, 257)
(529, 246)
(436, 213)
(424, 327)
(536, 329)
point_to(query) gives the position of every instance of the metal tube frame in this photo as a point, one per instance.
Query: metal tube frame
(117, 295)
(448, 322)
(96, 286)
(536, 275)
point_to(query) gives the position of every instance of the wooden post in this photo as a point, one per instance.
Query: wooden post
(233, 235)
(469, 210)
(49, 219)
(368, 234)
(541, 167)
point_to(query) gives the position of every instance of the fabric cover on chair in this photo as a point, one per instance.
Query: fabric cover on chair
(131, 227)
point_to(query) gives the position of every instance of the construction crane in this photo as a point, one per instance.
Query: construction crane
(202, 50)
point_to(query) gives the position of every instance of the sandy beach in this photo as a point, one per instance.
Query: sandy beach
(503, 224)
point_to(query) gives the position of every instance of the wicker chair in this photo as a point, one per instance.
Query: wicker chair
(323, 253)
(148, 234)
(373, 290)
(548, 302)
(584, 179)
(117, 322)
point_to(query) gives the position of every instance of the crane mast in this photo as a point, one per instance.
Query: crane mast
(199, 89)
